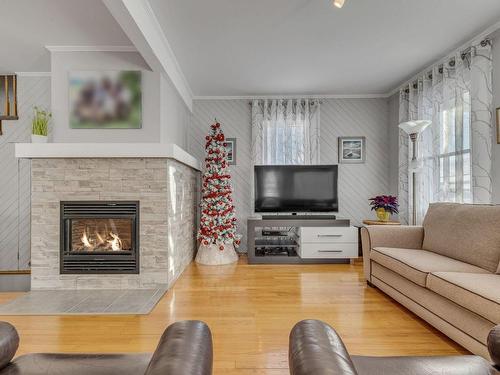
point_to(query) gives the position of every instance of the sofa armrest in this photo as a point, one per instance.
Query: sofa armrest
(316, 349)
(9, 342)
(407, 237)
(494, 346)
(185, 348)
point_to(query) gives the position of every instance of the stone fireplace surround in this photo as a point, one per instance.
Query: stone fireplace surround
(164, 181)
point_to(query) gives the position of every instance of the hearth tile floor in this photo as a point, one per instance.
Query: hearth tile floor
(84, 302)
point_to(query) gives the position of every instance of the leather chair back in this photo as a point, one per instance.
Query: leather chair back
(9, 342)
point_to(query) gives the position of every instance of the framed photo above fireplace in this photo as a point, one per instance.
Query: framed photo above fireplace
(352, 150)
(105, 99)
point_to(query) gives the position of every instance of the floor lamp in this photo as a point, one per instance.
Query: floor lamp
(413, 129)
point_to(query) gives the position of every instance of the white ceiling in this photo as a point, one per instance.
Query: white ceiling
(27, 26)
(299, 47)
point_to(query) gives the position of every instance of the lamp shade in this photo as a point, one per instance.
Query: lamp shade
(338, 3)
(414, 127)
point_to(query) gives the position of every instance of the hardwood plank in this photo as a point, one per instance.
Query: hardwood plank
(250, 310)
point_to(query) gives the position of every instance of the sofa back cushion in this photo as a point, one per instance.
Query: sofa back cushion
(466, 232)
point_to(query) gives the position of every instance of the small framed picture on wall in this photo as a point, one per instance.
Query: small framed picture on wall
(231, 150)
(352, 150)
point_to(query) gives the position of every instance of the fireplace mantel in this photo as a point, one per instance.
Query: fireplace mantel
(105, 150)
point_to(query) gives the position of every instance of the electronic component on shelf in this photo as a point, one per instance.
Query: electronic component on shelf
(274, 233)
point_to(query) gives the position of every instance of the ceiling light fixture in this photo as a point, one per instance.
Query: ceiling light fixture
(338, 3)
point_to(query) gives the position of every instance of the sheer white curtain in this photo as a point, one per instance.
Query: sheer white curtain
(455, 151)
(285, 131)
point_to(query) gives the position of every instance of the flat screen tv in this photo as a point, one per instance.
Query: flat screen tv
(296, 188)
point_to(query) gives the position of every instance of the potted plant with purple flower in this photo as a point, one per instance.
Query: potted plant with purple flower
(384, 206)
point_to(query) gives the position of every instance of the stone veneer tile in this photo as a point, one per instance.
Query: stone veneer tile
(167, 191)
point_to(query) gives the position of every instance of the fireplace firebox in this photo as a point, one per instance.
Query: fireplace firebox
(99, 237)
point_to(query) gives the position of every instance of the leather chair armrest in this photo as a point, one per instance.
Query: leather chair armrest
(407, 237)
(494, 346)
(185, 348)
(316, 349)
(9, 342)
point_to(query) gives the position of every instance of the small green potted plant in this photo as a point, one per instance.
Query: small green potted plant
(40, 125)
(384, 206)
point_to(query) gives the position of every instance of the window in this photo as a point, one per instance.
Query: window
(454, 151)
(285, 141)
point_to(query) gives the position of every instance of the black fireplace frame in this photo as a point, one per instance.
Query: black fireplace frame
(122, 262)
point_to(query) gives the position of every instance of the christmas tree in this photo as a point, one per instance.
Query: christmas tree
(218, 223)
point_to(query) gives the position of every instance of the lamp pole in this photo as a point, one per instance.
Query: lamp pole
(413, 129)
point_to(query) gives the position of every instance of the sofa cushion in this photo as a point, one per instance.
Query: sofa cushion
(410, 365)
(78, 364)
(415, 265)
(465, 232)
(434, 305)
(476, 292)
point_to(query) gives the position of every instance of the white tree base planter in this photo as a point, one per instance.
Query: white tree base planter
(211, 255)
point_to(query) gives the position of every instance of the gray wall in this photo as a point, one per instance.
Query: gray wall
(63, 62)
(174, 115)
(339, 117)
(15, 177)
(165, 117)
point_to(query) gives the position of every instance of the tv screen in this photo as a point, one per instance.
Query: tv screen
(296, 188)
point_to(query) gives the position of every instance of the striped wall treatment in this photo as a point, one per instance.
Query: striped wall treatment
(15, 181)
(339, 117)
(234, 116)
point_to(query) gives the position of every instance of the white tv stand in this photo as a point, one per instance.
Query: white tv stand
(291, 240)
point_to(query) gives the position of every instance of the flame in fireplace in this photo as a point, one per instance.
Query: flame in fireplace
(116, 243)
(100, 241)
(86, 243)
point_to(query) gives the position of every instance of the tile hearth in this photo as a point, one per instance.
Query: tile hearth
(84, 302)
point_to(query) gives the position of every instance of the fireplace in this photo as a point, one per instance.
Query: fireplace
(99, 237)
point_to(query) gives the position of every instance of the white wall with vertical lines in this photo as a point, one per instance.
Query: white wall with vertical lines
(339, 117)
(15, 176)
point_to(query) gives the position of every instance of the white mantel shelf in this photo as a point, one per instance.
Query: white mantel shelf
(105, 150)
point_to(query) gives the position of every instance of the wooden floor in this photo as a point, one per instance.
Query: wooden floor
(250, 309)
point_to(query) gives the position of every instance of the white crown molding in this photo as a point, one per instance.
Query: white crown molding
(95, 48)
(33, 74)
(475, 40)
(255, 97)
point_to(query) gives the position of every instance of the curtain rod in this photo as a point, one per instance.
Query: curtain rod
(440, 65)
(320, 101)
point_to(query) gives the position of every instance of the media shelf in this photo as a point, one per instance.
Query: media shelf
(276, 239)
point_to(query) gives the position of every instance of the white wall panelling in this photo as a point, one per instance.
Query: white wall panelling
(339, 117)
(15, 180)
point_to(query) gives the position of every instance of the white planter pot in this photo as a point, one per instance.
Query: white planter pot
(212, 255)
(39, 138)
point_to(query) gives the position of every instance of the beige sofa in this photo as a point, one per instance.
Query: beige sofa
(446, 271)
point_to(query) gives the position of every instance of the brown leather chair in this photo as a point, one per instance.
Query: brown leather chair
(316, 349)
(185, 348)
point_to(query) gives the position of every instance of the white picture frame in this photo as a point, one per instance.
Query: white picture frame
(352, 150)
(231, 150)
